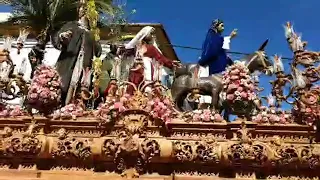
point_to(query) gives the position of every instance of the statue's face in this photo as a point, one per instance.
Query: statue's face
(220, 27)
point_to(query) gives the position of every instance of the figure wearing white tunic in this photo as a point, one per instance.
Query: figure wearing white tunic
(153, 60)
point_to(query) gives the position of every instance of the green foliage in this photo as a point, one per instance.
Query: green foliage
(43, 14)
(46, 16)
(117, 20)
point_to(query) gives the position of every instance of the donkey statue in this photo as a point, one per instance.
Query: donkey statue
(184, 82)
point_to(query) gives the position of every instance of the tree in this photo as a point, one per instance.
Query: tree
(44, 17)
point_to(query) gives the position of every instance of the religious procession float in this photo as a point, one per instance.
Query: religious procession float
(137, 114)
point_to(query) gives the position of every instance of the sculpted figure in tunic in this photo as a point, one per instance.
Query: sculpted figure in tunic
(151, 56)
(78, 47)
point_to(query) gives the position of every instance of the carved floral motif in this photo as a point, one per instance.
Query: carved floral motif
(71, 147)
(130, 154)
(199, 151)
(21, 144)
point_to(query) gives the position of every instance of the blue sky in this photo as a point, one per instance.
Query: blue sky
(187, 22)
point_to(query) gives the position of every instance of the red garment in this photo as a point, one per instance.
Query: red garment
(135, 77)
(154, 53)
(107, 90)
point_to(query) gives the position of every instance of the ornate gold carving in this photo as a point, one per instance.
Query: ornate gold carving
(310, 155)
(71, 147)
(21, 144)
(199, 151)
(134, 123)
(130, 154)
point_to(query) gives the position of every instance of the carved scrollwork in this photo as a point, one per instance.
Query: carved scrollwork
(240, 153)
(183, 151)
(199, 151)
(70, 147)
(280, 153)
(207, 152)
(134, 123)
(130, 154)
(21, 144)
(310, 155)
(109, 148)
(150, 148)
(246, 150)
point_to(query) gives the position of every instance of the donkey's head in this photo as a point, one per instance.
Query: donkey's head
(294, 40)
(258, 61)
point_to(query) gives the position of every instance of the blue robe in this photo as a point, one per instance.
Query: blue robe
(213, 55)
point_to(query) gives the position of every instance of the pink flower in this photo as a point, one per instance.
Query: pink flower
(206, 117)
(235, 72)
(308, 110)
(243, 74)
(244, 94)
(234, 78)
(196, 117)
(218, 118)
(240, 89)
(118, 105)
(156, 100)
(230, 97)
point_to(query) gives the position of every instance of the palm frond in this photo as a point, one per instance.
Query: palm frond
(105, 6)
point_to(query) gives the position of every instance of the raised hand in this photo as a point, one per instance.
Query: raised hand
(176, 63)
(234, 33)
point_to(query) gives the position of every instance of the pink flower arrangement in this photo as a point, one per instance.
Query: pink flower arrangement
(205, 115)
(70, 111)
(161, 109)
(272, 116)
(44, 93)
(107, 111)
(12, 111)
(237, 84)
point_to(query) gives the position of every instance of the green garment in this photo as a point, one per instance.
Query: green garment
(107, 65)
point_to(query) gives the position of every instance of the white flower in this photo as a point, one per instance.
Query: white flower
(237, 93)
(197, 111)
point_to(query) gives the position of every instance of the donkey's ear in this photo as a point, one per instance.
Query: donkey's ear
(263, 45)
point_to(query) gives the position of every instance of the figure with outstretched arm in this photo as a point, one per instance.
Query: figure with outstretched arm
(78, 47)
(214, 48)
(150, 54)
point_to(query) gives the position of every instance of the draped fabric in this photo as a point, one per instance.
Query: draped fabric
(213, 55)
(21, 62)
(151, 62)
(70, 53)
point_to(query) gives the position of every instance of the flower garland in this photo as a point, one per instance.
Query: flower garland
(203, 115)
(108, 111)
(70, 111)
(158, 108)
(272, 116)
(44, 93)
(12, 111)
